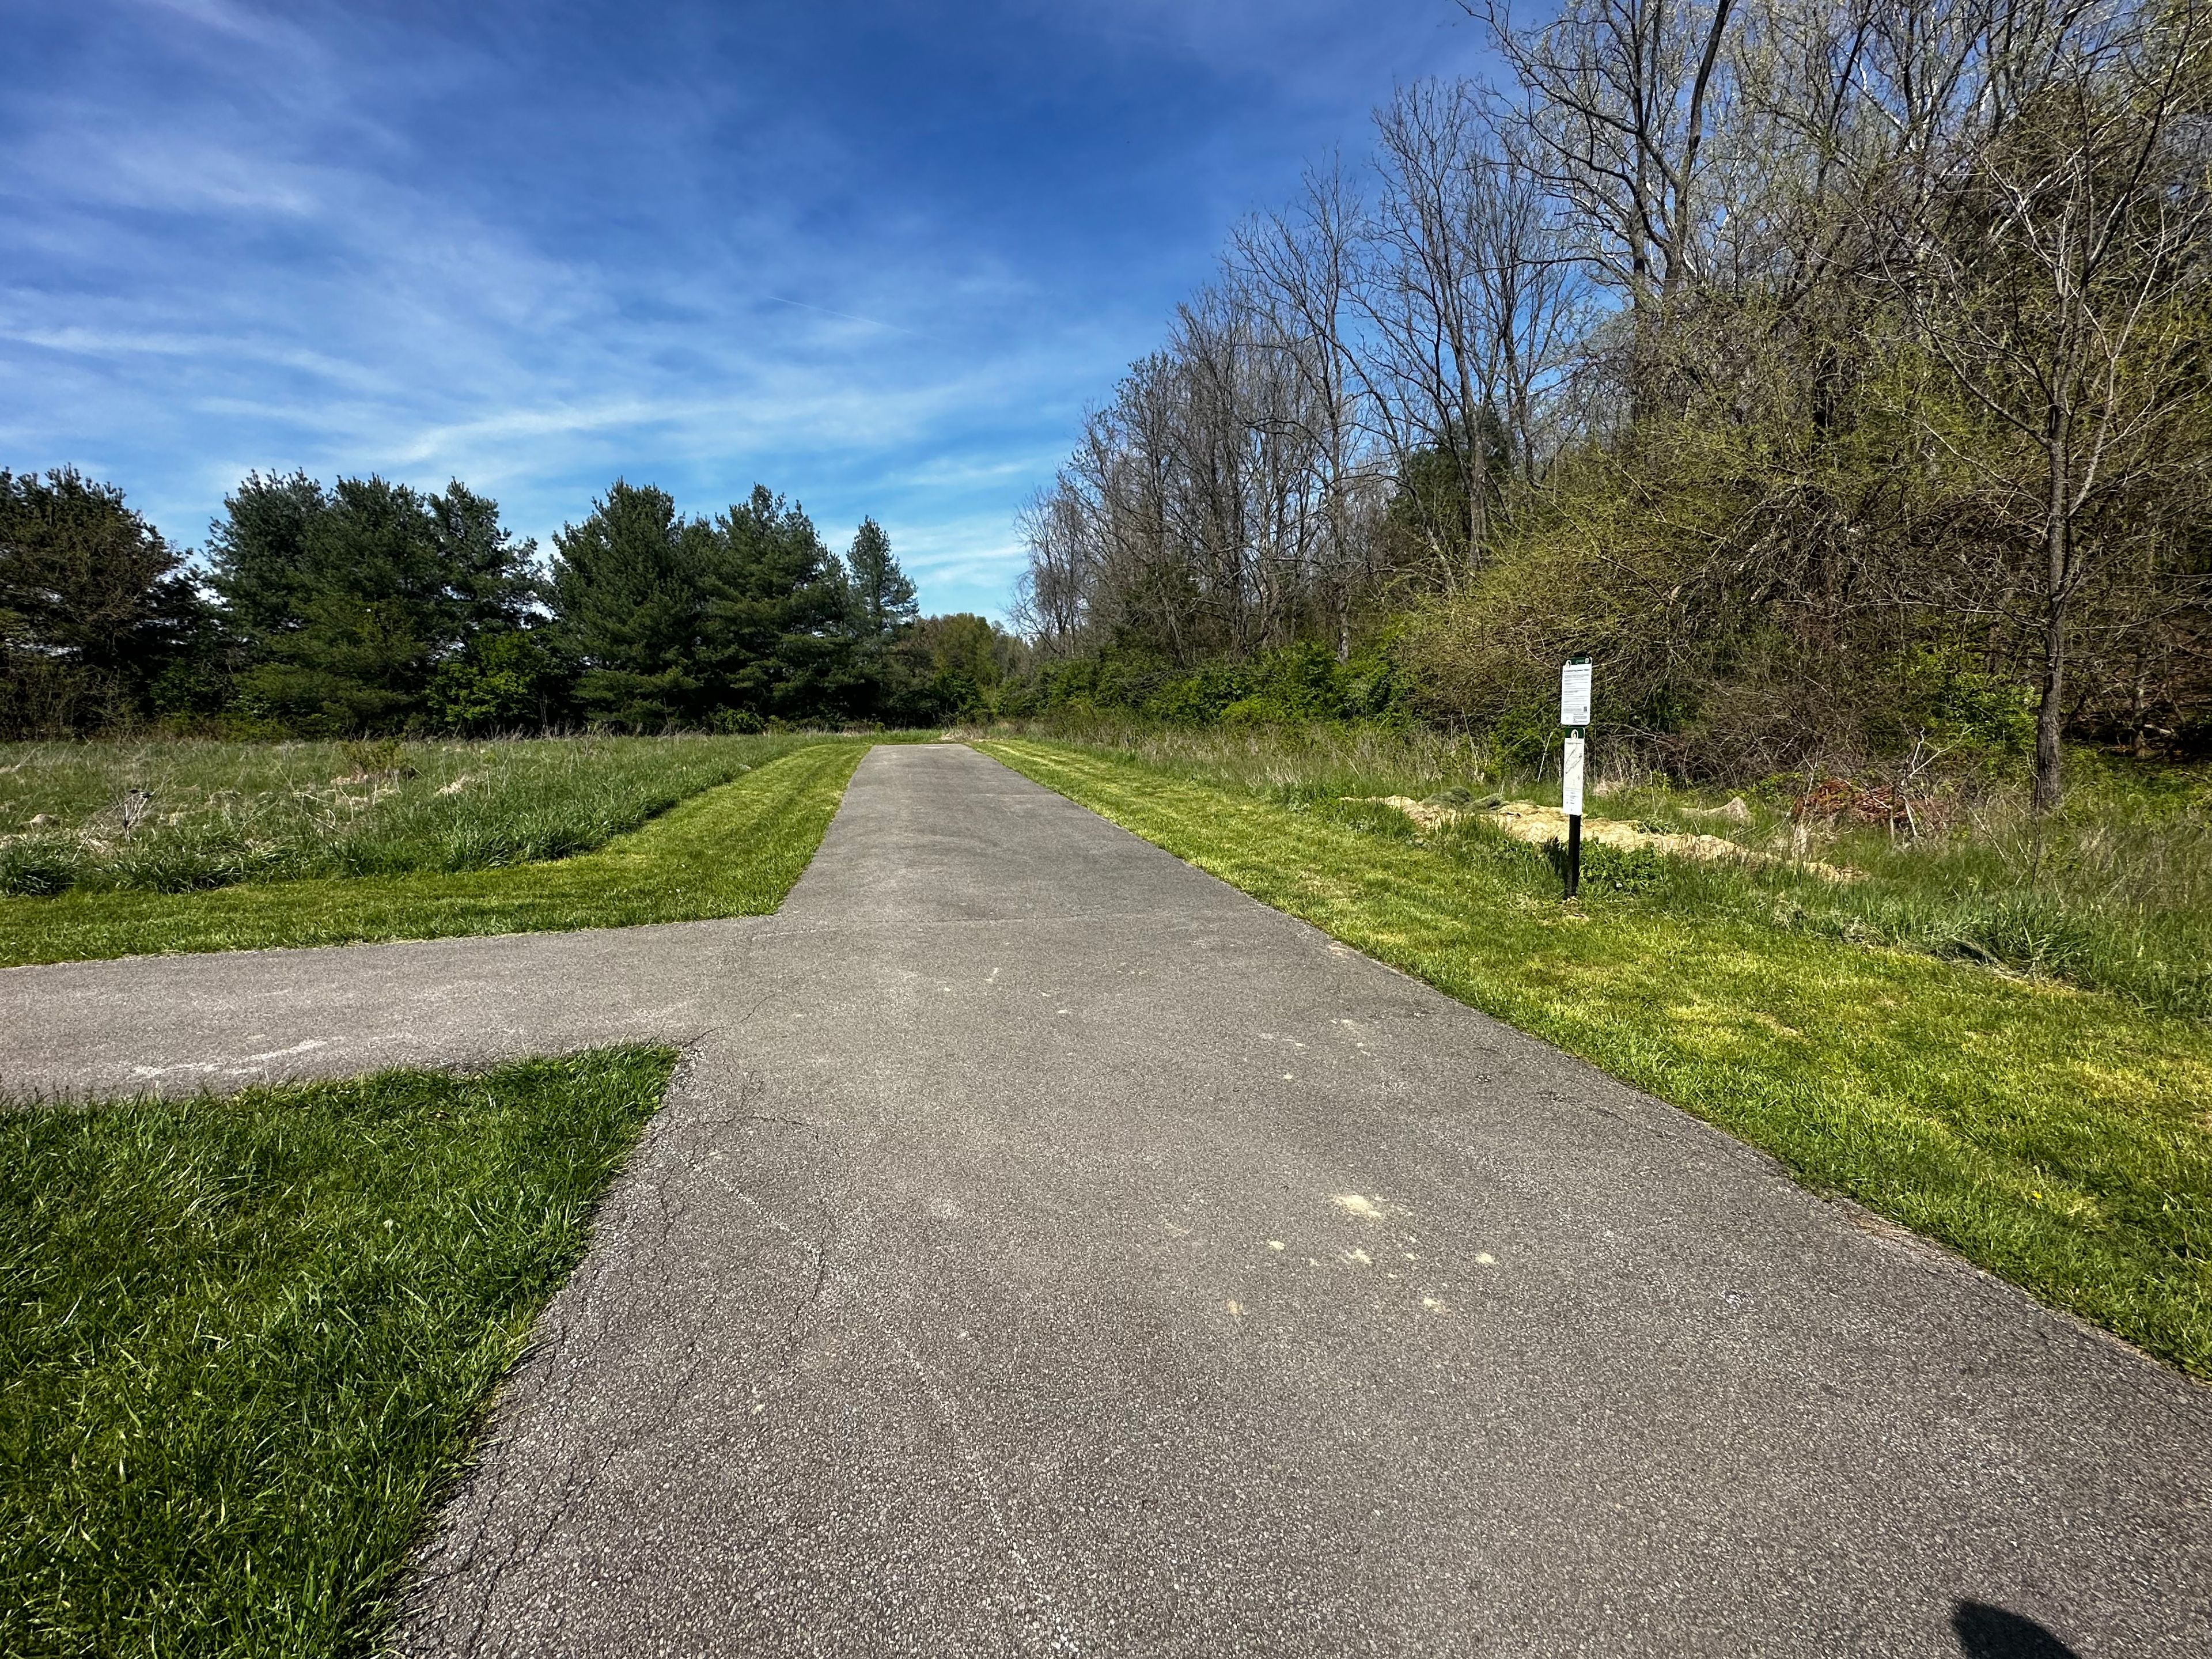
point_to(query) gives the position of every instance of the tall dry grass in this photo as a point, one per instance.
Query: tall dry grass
(174, 816)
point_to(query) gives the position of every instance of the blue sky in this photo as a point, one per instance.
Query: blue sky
(877, 257)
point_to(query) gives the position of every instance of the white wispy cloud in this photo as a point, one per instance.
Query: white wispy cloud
(488, 244)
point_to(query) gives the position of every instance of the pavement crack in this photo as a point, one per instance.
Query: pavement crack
(1061, 1638)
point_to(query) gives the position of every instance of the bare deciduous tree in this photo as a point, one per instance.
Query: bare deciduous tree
(2045, 232)
(1824, 340)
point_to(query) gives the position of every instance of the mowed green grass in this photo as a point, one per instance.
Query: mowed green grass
(2058, 1136)
(731, 850)
(2113, 892)
(245, 1343)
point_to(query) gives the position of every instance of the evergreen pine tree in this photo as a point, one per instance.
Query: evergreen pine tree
(777, 603)
(883, 594)
(94, 610)
(628, 598)
(348, 600)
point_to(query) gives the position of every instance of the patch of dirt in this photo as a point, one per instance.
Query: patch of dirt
(1544, 826)
(1736, 811)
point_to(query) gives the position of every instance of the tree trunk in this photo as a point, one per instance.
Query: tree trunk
(2050, 709)
(2058, 550)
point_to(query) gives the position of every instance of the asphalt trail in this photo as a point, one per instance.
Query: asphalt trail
(1046, 1249)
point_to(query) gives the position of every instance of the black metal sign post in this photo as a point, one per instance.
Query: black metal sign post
(1575, 716)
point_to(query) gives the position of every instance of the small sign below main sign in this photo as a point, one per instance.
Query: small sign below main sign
(1574, 693)
(1570, 778)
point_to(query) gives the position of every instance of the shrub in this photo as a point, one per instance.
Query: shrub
(39, 867)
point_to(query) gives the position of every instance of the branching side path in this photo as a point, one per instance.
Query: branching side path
(1046, 1249)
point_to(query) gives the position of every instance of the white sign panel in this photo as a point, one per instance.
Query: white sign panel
(1575, 694)
(1570, 770)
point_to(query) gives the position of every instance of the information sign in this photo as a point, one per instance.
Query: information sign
(1574, 693)
(1575, 716)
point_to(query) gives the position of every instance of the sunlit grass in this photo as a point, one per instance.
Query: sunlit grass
(177, 815)
(731, 850)
(2056, 1136)
(245, 1342)
(2112, 893)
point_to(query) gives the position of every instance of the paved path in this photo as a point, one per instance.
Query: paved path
(1046, 1249)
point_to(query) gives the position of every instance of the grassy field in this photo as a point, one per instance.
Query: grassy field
(2113, 893)
(245, 1343)
(2058, 1136)
(178, 816)
(730, 848)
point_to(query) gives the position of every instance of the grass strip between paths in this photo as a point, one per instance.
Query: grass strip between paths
(2061, 1139)
(245, 1343)
(733, 851)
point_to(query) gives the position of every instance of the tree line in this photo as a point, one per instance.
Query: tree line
(368, 606)
(1834, 371)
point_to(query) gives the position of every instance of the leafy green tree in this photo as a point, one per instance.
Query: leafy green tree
(501, 682)
(628, 595)
(883, 596)
(93, 607)
(946, 667)
(348, 600)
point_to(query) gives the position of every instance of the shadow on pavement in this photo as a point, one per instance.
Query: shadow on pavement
(1988, 1633)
